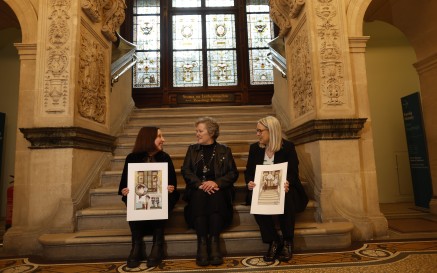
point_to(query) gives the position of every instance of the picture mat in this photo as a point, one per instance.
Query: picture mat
(268, 195)
(150, 203)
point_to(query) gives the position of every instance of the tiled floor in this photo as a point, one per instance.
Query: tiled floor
(397, 252)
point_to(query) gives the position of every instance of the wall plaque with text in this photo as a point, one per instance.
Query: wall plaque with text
(205, 98)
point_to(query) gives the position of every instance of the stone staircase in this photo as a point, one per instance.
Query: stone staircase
(103, 233)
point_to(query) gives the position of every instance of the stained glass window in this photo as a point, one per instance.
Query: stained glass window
(186, 3)
(204, 43)
(260, 32)
(146, 35)
(219, 3)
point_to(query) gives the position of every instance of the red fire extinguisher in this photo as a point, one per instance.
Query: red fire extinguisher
(9, 204)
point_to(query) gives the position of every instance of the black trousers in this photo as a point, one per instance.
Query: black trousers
(141, 228)
(267, 224)
(208, 213)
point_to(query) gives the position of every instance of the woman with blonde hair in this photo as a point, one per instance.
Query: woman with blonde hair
(271, 148)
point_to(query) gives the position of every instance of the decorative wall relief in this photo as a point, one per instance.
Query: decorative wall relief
(93, 69)
(331, 64)
(93, 9)
(282, 11)
(114, 14)
(56, 77)
(301, 76)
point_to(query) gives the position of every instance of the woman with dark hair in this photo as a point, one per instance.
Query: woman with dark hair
(148, 148)
(210, 172)
(271, 149)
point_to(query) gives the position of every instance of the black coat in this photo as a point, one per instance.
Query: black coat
(226, 174)
(287, 153)
(159, 157)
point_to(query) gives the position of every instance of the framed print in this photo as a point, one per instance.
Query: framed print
(268, 194)
(148, 195)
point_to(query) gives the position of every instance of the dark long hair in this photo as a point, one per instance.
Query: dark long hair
(145, 141)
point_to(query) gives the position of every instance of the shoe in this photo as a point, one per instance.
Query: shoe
(157, 252)
(202, 251)
(286, 251)
(216, 257)
(272, 252)
(135, 255)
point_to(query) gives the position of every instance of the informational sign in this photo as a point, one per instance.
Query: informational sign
(417, 149)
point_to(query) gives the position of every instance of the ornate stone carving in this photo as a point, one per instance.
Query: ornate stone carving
(301, 76)
(92, 79)
(282, 11)
(331, 65)
(55, 98)
(114, 15)
(93, 9)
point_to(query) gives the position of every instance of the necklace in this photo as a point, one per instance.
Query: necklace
(206, 166)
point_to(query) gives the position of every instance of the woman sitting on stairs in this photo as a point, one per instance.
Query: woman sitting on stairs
(148, 148)
(210, 172)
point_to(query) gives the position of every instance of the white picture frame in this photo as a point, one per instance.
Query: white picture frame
(148, 195)
(268, 195)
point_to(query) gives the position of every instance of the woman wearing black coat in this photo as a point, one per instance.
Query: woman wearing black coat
(148, 148)
(210, 172)
(272, 149)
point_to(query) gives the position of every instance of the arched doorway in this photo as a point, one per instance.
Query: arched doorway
(390, 76)
(10, 33)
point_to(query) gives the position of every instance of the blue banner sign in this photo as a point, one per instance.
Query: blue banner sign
(417, 149)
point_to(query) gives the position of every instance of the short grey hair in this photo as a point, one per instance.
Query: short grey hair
(211, 125)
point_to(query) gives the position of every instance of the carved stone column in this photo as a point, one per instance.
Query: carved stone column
(324, 120)
(64, 93)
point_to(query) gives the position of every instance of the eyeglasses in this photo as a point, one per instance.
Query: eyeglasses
(259, 131)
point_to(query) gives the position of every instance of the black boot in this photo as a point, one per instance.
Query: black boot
(202, 251)
(286, 251)
(157, 252)
(216, 255)
(135, 254)
(272, 252)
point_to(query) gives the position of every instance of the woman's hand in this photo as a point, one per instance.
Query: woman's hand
(170, 188)
(251, 185)
(286, 186)
(125, 191)
(209, 187)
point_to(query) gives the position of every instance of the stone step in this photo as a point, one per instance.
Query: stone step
(237, 146)
(157, 120)
(114, 216)
(169, 126)
(112, 178)
(117, 163)
(189, 135)
(205, 111)
(116, 243)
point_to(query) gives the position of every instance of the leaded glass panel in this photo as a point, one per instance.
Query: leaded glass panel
(261, 69)
(187, 68)
(222, 68)
(260, 30)
(220, 3)
(147, 32)
(146, 7)
(147, 70)
(187, 32)
(186, 3)
(220, 31)
(257, 6)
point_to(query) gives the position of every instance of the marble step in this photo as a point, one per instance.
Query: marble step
(239, 240)
(205, 111)
(114, 216)
(189, 135)
(117, 163)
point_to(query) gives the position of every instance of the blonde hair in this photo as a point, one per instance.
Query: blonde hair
(275, 132)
